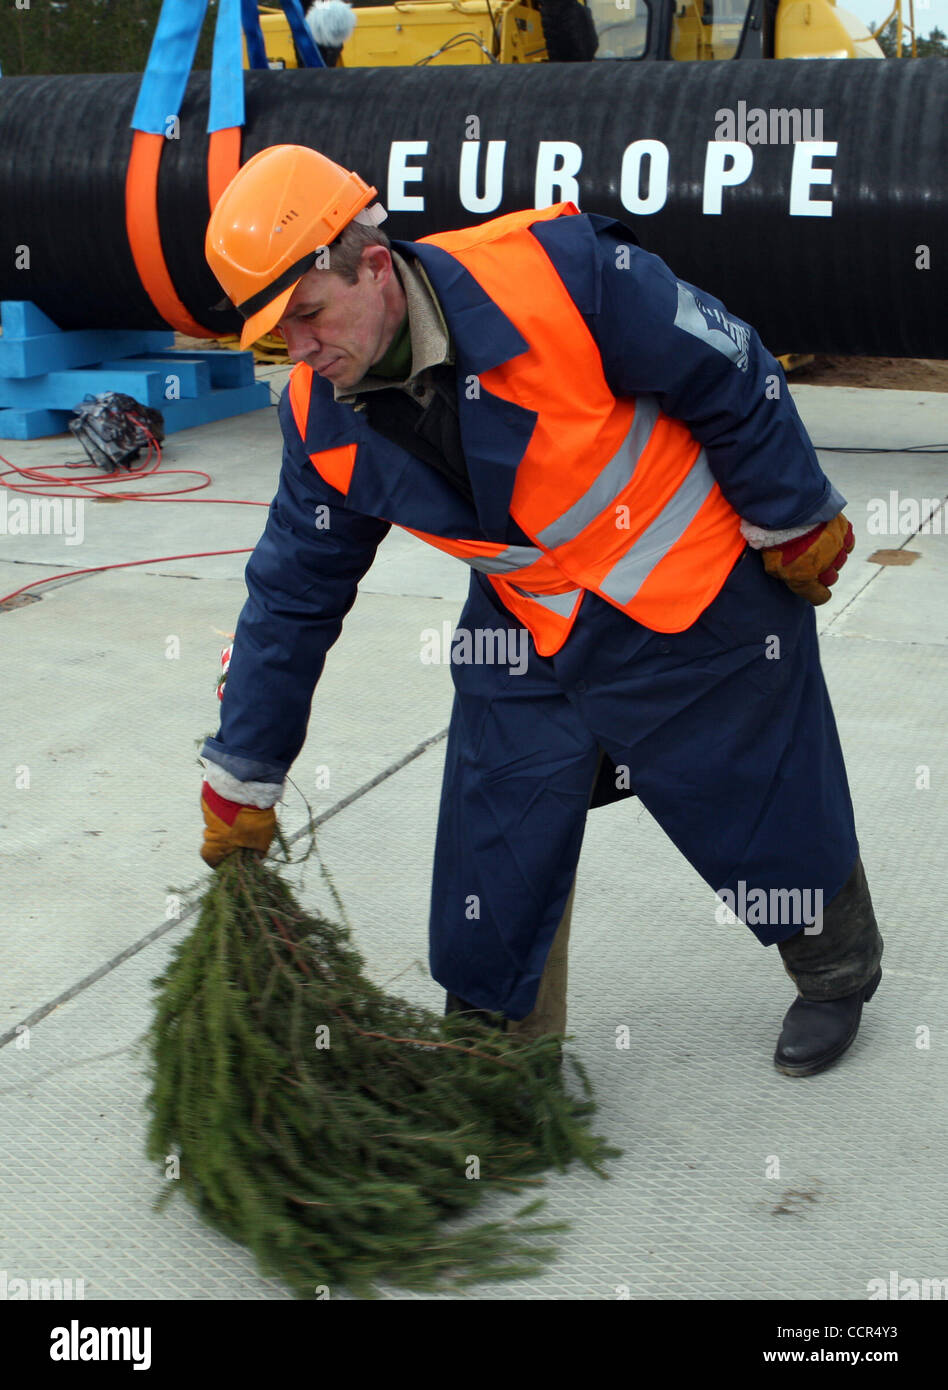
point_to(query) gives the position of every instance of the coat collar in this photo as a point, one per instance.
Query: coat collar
(494, 432)
(482, 334)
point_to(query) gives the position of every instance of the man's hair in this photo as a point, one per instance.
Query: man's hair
(345, 253)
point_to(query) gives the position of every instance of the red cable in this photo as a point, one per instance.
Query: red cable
(47, 480)
(42, 481)
(124, 564)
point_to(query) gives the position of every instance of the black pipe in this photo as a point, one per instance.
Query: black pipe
(852, 282)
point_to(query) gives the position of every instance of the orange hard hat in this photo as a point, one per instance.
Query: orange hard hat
(269, 224)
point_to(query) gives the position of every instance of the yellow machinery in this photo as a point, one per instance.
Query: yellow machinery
(717, 29)
(820, 29)
(420, 32)
(445, 31)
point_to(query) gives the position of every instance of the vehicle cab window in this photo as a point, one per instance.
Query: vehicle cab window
(622, 30)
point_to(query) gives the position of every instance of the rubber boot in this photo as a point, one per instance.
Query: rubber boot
(835, 971)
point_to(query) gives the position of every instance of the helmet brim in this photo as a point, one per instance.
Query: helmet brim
(265, 319)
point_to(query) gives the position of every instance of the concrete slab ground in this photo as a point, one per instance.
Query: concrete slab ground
(735, 1182)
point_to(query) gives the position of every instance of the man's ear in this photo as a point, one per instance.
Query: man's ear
(377, 260)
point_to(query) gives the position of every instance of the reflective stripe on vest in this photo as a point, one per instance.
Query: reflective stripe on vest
(618, 496)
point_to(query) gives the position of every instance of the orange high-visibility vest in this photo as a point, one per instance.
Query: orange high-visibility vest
(617, 497)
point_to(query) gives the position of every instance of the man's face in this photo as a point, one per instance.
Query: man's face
(338, 329)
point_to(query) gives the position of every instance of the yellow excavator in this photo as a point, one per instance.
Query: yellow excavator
(420, 32)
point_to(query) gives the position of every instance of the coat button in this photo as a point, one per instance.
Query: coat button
(581, 687)
(664, 648)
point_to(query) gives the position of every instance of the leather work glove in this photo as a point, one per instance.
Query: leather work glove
(230, 825)
(811, 563)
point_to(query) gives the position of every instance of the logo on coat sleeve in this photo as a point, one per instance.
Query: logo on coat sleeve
(712, 327)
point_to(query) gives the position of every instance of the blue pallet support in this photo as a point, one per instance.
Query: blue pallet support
(31, 344)
(64, 390)
(46, 371)
(218, 405)
(178, 415)
(226, 368)
(33, 424)
(180, 375)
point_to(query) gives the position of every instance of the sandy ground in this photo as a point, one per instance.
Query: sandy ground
(891, 373)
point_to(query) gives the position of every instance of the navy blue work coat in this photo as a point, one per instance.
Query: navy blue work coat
(716, 739)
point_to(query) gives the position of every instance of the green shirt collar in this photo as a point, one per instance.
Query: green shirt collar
(397, 361)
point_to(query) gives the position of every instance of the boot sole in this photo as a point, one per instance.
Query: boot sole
(821, 1063)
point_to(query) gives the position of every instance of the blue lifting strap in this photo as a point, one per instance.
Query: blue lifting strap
(306, 49)
(174, 45)
(169, 64)
(227, 75)
(256, 51)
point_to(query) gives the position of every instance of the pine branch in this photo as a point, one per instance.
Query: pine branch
(339, 1166)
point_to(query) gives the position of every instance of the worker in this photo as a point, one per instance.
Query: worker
(619, 461)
